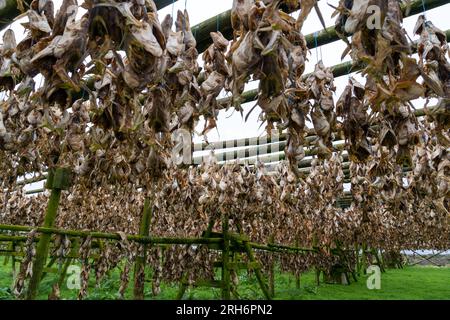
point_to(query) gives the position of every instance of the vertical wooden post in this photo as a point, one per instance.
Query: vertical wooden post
(43, 245)
(364, 259)
(272, 274)
(183, 284)
(297, 274)
(377, 257)
(139, 267)
(380, 256)
(358, 262)
(57, 180)
(258, 273)
(297, 280)
(13, 262)
(49, 265)
(226, 286)
(316, 269)
(317, 276)
(63, 273)
(272, 280)
(251, 257)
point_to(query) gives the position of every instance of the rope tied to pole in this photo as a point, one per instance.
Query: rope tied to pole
(424, 9)
(173, 9)
(316, 35)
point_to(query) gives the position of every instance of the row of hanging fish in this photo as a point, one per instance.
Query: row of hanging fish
(141, 77)
(267, 208)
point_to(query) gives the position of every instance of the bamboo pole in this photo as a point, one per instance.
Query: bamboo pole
(152, 240)
(277, 247)
(58, 180)
(276, 156)
(139, 268)
(248, 249)
(264, 145)
(202, 31)
(377, 257)
(13, 265)
(9, 9)
(380, 252)
(272, 273)
(297, 274)
(73, 251)
(43, 245)
(226, 280)
(34, 191)
(112, 236)
(337, 70)
(7, 238)
(358, 261)
(257, 271)
(235, 143)
(184, 278)
(363, 264)
(223, 20)
(37, 178)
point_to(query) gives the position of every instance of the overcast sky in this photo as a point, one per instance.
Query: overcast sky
(230, 124)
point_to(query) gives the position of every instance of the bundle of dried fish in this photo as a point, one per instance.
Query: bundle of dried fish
(84, 251)
(182, 71)
(9, 73)
(217, 73)
(321, 87)
(270, 50)
(353, 109)
(58, 55)
(434, 66)
(26, 267)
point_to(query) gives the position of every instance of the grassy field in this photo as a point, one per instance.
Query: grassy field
(409, 283)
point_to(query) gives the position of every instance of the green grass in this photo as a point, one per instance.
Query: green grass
(410, 283)
(413, 283)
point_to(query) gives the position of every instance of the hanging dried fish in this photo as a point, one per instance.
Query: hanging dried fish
(352, 108)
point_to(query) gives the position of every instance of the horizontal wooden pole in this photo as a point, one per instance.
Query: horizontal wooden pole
(223, 21)
(150, 240)
(270, 142)
(208, 283)
(338, 70)
(112, 236)
(8, 238)
(202, 30)
(9, 9)
(279, 248)
(329, 35)
(34, 179)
